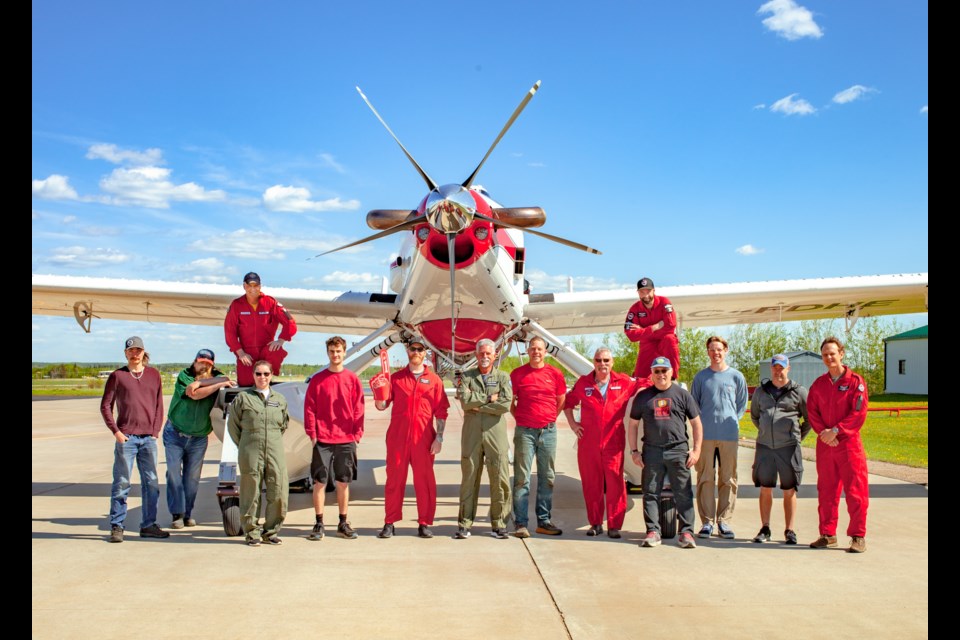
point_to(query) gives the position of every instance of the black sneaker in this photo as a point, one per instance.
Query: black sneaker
(116, 533)
(547, 528)
(462, 533)
(344, 530)
(386, 532)
(253, 542)
(764, 535)
(613, 533)
(275, 540)
(500, 534)
(790, 536)
(177, 521)
(424, 531)
(317, 533)
(595, 531)
(153, 531)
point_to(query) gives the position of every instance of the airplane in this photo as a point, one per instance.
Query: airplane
(459, 277)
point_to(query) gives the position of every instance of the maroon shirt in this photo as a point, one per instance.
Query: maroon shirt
(139, 402)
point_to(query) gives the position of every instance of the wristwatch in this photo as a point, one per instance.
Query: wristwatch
(634, 450)
(439, 438)
(835, 429)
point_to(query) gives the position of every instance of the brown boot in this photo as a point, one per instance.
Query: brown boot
(857, 545)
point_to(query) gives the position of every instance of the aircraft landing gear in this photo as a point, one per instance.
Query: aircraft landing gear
(230, 510)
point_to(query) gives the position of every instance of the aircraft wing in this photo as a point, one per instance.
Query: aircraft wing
(203, 304)
(712, 305)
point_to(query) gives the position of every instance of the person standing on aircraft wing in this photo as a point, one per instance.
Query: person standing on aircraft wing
(418, 399)
(652, 322)
(539, 390)
(136, 391)
(185, 433)
(721, 393)
(250, 326)
(258, 418)
(664, 409)
(837, 408)
(333, 419)
(602, 397)
(486, 398)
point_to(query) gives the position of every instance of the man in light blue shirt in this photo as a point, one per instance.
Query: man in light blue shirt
(721, 392)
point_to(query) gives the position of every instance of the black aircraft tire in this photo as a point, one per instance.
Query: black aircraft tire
(668, 517)
(230, 507)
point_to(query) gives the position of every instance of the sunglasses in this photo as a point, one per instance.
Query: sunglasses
(602, 360)
(660, 372)
(417, 349)
(260, 374)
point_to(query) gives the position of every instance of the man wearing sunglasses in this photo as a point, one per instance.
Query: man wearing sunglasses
(664, 409)
(418, 399)
(602, 397)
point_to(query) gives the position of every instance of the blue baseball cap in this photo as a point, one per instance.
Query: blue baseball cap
(661, 362)
(205, 354)
(781, 360)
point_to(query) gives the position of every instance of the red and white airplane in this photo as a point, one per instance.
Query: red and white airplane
(459, 277)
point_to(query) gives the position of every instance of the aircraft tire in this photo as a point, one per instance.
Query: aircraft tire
(230, 508)
(668, 517)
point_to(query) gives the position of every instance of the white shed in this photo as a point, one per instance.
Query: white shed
(805, 367)
(905, 362)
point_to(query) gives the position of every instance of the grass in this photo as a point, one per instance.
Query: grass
(898, 439)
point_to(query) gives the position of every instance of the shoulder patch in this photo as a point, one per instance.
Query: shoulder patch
(668, 308)
(860, 388)
(630, 316)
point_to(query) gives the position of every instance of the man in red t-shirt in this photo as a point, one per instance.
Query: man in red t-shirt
(250, 326)
(538, 394)
(652, 322)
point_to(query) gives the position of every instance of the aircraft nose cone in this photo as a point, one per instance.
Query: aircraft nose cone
(450, 209)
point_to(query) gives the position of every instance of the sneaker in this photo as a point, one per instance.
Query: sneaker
(272, 540)
(317, 532)
(462, 533)
(547, 528)
(857, 545)
(705, 531)
(686, 541)
(189, 522)
(790, 536)
(764, 535)
(424, 531)
(116, 533)
(594, 530)
(521, 531)
(500, 534)
(153, 531)
(344, 530)
(725, 531)
(823, 542)
(652, 539)
(386, 532)
(613, 533)
(253, 542)
(177, 521)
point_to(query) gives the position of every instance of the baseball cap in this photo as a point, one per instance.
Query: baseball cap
(205, 354)
(133, 342)
(781, 360)
(416, 339)
(251, 277)
(645, 283)
(661, 362)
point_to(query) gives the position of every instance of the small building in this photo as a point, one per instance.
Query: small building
(905, 362)
(805, 367)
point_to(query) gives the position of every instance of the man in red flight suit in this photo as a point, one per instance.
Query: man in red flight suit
(652, 322)
(602, 397)
(418, 398)
(250, 327)
(837, 409)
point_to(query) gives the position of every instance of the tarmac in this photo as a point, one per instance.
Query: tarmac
(201, 583)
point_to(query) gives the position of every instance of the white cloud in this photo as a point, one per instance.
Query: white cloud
(116, 155)
(260, 245)
(69, 219)
(789, 20)
(791, 107)
(537, 165)
(328, 161)
(760, 106)
(55, 187)
(748, 250)
(151, 187)
(541, 282)
(923, 109)
(853, 93)
(211, 270)
(346, 280)
(297, 200)
(84, 257)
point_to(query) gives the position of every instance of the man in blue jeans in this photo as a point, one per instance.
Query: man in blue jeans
(186, 432)
(539, 391)
(136, 391)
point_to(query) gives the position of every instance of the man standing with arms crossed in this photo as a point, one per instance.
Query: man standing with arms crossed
(652, 322)
(250, 326)
(486, 397)
(538, 394)
(721, 393)
(333, 419)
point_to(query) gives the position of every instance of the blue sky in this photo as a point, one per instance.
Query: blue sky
(699, 142)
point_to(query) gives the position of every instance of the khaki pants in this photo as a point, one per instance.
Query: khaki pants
(478, 448)
(717, 487)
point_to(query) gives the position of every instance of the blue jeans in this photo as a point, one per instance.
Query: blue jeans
(143, 449)
(527, 445)
(184, 464)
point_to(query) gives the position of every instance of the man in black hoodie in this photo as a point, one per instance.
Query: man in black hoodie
(778, 410)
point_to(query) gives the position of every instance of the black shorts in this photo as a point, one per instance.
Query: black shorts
(787, 462)
(342, 458)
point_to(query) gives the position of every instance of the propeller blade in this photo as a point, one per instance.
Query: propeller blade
(430, 183)
(564, 241)
(516, 112)
(383, 234)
